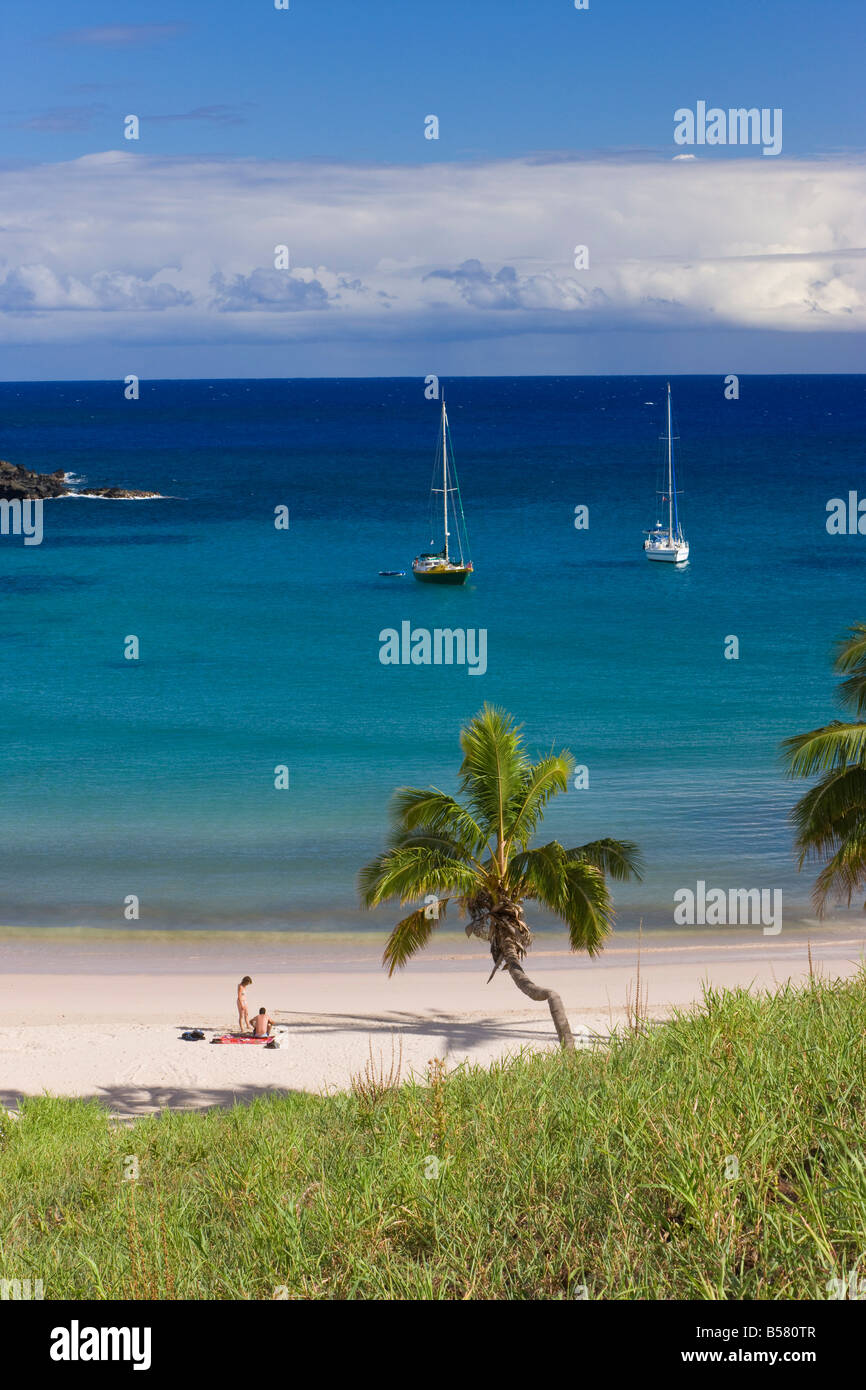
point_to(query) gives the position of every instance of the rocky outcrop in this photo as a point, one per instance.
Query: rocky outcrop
(20, 483)
(115, 492)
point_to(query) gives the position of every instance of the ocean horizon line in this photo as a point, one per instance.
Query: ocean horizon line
(419, 376)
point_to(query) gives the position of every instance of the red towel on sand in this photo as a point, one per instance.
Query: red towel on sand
(234, 1038)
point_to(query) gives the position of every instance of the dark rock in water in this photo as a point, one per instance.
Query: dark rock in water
(117, 492)
(24, 485)
(20, 483)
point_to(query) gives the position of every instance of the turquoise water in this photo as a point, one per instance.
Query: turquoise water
(260, 647)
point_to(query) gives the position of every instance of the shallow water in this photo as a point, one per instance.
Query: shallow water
(261, 647)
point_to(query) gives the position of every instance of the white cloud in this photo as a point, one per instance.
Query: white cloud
(483, 288)
(37, 287)
(439, 250)
(271, 290)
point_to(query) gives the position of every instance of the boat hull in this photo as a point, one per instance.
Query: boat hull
(673, 555)
(451, 575)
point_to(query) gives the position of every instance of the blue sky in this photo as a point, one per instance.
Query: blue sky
(350, 80)
(326, 102)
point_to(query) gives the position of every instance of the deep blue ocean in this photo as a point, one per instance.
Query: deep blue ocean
(260, 647)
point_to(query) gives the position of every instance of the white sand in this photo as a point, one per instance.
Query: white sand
(110, 1018)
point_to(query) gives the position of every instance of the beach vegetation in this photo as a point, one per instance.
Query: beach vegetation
(718, 1155)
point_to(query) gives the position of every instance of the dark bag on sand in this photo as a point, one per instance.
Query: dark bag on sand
(194, 1035)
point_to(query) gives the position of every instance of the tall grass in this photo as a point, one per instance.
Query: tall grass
(720, 1155)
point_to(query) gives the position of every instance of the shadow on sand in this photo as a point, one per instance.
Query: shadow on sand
(134, 1102)
(459, 1033)
(448, 1035)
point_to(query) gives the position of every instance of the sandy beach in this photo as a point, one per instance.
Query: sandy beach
(86, 1016)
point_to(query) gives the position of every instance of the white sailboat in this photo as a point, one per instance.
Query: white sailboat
(668, 542)
(443, 566)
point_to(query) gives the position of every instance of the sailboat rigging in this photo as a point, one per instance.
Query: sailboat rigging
(668, 542)
(443, 566)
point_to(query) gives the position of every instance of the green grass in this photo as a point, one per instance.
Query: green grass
(605, 1169)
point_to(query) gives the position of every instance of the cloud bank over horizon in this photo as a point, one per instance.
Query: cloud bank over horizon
(172, 252)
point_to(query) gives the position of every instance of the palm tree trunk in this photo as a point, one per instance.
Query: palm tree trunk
(557, 1011)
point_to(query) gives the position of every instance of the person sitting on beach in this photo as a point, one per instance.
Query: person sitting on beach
(243, 1016)
(262, 1025)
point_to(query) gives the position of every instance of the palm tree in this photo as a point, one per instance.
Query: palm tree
(830, 819)
(477, 850)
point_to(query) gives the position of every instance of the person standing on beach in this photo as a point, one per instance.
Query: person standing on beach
(243, 1016)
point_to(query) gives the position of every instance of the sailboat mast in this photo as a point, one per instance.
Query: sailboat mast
(444, 477)
(670, 471)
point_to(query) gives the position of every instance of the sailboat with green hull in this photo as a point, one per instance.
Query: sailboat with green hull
(443, 566)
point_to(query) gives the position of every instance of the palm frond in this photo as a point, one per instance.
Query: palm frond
(536, 871)
(415, 809)
(844, 874)
(572, 888)
(619, 859)
(409, 936)
(823, 843)
(589, 913)
(494, 765)
(851, 661)
(410, 871)
(825, 749)
(427, 839)
(542, 781)
(827, 812)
